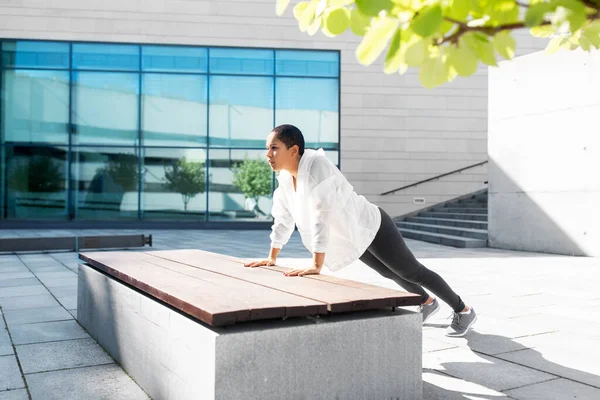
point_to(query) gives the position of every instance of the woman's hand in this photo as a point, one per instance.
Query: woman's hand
(315, 270)
(266, 262)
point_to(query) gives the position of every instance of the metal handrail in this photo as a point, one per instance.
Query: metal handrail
(435, 177)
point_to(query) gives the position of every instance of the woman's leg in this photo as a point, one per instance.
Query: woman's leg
(389, 248)
(379, 267)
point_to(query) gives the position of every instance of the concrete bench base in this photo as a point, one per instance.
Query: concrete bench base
(368, 355)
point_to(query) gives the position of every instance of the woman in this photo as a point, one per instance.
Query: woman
(332, 219)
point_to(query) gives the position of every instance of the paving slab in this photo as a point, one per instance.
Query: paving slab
(88, 383)
(438, 386)
(47, 332)
(32, 315)
(10, 378)
(73, 313)
(68, 302)
(18, 282)
(25, 302)
(572, 361)
(52, 283)
(66, 291)
(42, 357)
(17, 394)
(15, 275)
(483, 370)
(557, 389)
(31, 290)
(6, 347)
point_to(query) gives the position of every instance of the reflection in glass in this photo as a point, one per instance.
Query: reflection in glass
(105, 108)
(240, 185)
(174, 110)
(36, 182)
(29, 54)
(307, 63)
(35, 106)
(105, 182)
(241, 111)
(174, 184)
(174, 59)
(241, 61)
(111, 57)
(311, 105)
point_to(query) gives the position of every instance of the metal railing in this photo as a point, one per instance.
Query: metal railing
(435, 177)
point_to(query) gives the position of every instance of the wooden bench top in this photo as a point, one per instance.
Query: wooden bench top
(218, 290)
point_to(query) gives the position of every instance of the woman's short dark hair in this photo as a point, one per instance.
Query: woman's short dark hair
(290, 135)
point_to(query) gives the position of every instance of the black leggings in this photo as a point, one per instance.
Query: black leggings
(391, 258)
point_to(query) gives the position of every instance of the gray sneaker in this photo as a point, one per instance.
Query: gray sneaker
(461, 323)
(428, 310)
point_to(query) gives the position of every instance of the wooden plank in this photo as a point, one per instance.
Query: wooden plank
(213, 298)
(338, 297)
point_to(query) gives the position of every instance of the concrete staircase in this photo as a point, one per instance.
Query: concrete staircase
(457, 223)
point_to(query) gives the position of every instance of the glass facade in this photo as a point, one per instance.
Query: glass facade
(96, 131)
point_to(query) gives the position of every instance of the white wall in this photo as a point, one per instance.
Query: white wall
(544, 149)
(394, 132)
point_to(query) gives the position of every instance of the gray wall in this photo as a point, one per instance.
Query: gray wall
(394, 132)
(544, 150)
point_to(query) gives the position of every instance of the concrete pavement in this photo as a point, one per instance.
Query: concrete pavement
(536, 337)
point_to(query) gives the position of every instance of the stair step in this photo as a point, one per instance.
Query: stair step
(439, 238)
(467, 205)
(446, 230)
(479, 210)
(449, 222)
(449, 215)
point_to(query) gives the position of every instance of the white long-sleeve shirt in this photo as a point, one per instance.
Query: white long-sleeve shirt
(330, 216)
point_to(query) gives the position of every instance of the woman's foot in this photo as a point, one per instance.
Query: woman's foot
(428, 310)
(461, 323)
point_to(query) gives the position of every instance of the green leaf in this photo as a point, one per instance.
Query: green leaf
(460, 9)
(372, 8)
(555, 45)
(436, 70)
(281, 6)
(359, 22)
(482, 46)
(505, 44)
(585, 44)
(308, 16)
(394, 57)
(542, 31)
(427, 21)
(592, 33)
(463, 59)
(377, 37)
(416, 52)
(337, 21)
(536, 13)
(300, 8)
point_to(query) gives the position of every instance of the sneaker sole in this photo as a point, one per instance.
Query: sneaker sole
(432, 314)
(466, 330)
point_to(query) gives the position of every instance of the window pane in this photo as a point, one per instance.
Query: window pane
(174, 184)
(312, 105)
(241, 111)
(105, 108)
(35, 106)
(36, 182)
(106, 56)
(176, 59)
(241, 61)
(24, 54)
(227, 200)
(105, 183)
(307, 63)
(174, 110)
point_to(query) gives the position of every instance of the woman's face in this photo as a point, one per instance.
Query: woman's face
(279, 156)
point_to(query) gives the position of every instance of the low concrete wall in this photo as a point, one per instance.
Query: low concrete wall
(353, 356)
(544, 153)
